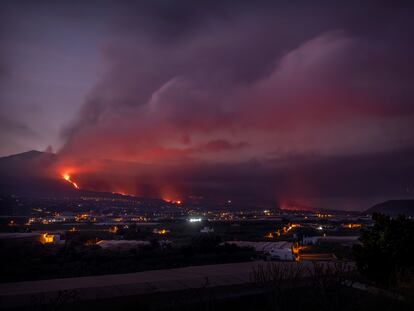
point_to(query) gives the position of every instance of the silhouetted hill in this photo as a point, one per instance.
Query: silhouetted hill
(393, 208)
(27, 174)
(28, 155)
(26, 163)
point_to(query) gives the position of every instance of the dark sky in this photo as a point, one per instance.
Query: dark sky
(278, 99)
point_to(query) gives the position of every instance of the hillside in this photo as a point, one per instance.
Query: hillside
(393, 207)
(26, 174)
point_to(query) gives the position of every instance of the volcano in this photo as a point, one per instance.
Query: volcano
(28, 174)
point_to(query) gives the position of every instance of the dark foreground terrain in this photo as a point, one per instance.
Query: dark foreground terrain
(242, 286)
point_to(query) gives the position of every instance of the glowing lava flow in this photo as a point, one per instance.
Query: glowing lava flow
(66, 177)
(176, 202)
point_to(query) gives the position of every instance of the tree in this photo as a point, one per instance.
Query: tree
(385, 256)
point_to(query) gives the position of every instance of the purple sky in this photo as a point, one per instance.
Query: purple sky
(264, 98)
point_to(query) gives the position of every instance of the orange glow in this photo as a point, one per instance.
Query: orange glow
(113, 229)
(170, 195)
(66, 177)
(81, 217)
(287, 228)
(172, 201)
(121, 193)
(161, 231)
(296, 249)
(46, 238)
(352, 226)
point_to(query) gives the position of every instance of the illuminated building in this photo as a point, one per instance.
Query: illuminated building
(351, 226)
(47, 238)
(113, 229)
(161, 231)
(207, 230)
(195, 220)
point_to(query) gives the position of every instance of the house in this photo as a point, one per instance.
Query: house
(207, 230)
(284, 254)
(281, 250)
(343, 240)
(310, 240)
(47, 238)
(318, 257)
(122, 244)
(348, 240)
(161, 231)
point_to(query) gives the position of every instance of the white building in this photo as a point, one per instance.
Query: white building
(281, 250)
(207, 230)
(122, 244)
(310, 240)
(284, 254)
(48, 238)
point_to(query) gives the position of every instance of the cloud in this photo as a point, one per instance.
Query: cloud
(10, 125)
(314, 96)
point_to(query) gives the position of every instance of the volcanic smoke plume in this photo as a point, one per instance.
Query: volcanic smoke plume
(247, 99)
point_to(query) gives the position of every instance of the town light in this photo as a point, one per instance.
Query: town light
(195, 220)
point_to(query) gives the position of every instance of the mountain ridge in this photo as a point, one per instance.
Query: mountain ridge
(393, 207)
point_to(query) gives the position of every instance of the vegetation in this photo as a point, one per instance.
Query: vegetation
(385, 256)
(28, 260)
(341, 252)
(317, 286)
